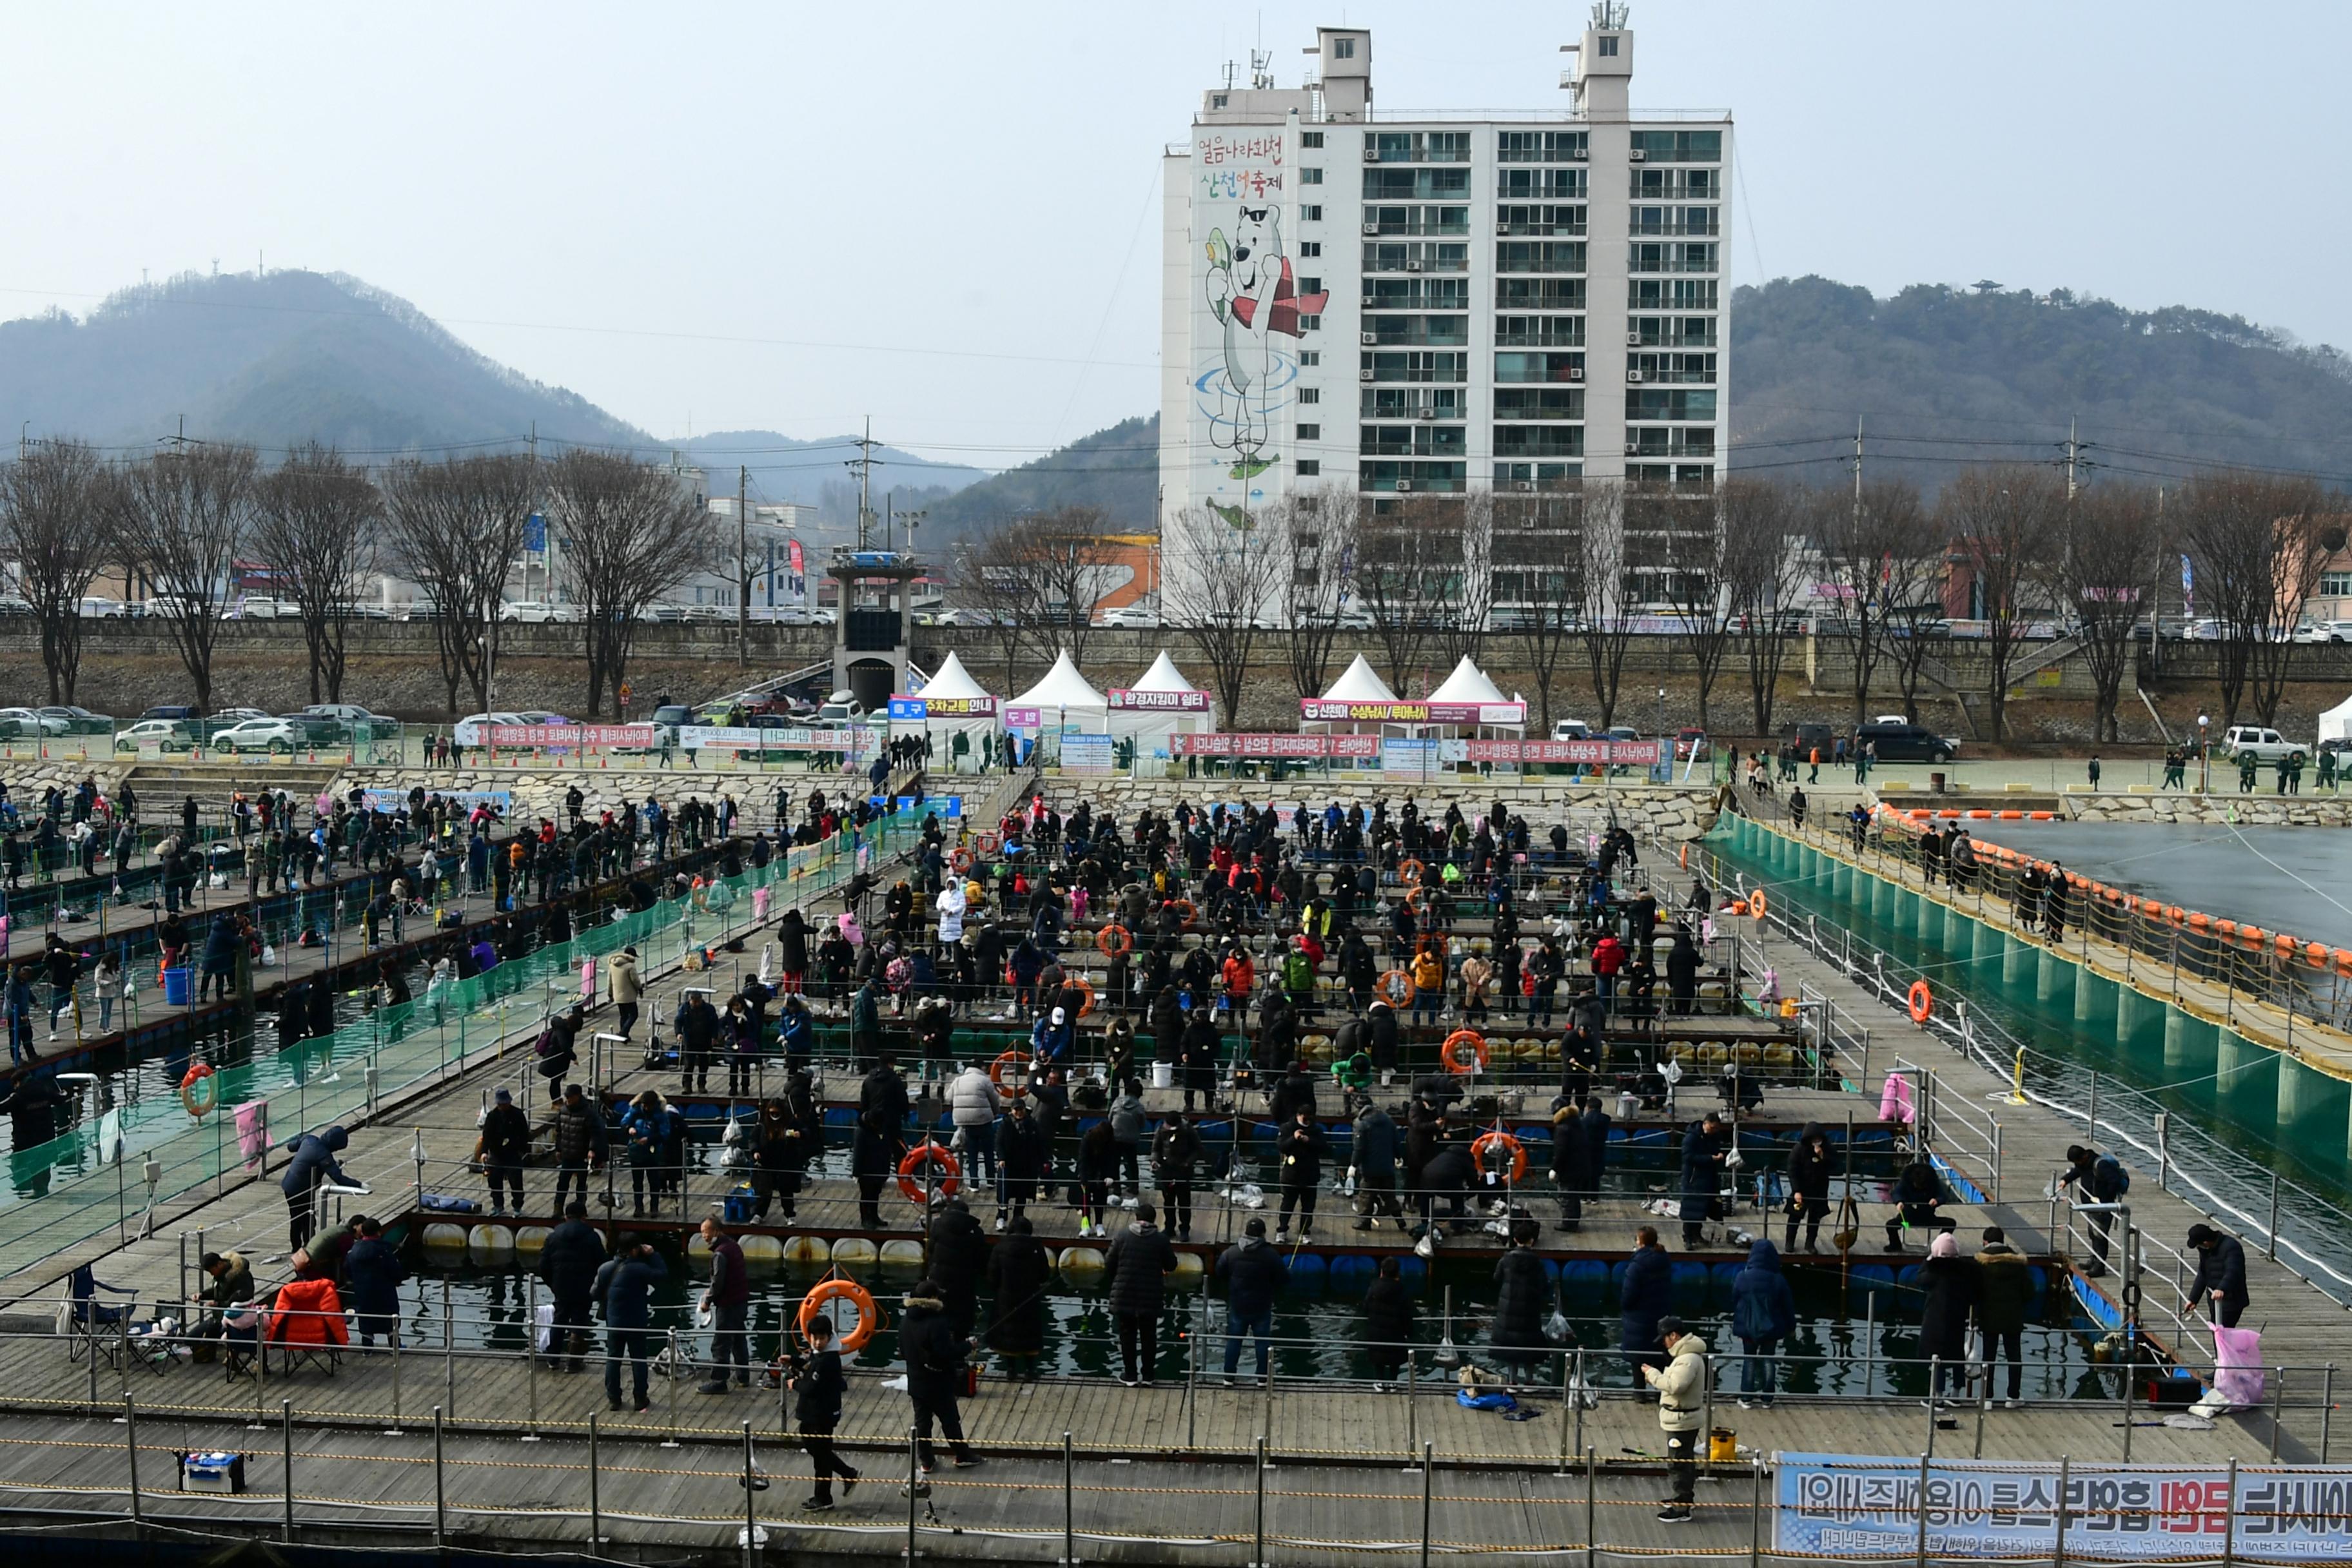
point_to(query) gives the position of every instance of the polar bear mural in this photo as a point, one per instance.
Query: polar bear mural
(1256, 300)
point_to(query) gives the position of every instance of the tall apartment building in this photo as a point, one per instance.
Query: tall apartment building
(1431, 306)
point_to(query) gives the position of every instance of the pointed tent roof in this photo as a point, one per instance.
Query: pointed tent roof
(1359, 683)
(1468, 683)
(1163, 675)
(953, 680)
(1063, 686)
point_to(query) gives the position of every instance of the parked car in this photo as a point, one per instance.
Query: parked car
(280, 735)
(470, 731)
(2323, 631)
(165, 735)
(1571, 730)
(1131, 615)
(1907, 742)
(1812, 737)
(2267, 745)
(526, 612)
(1691, 746)
(319, 729)
(257, 607)
(81, 721)
(15, 604)
(352, 720)
(365, 609)
(28, 724)
(421, 610)
(95, 608)
(841, 708)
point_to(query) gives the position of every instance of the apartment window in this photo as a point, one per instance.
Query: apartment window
(2336, 585)
(1310, 215)
(1309, 247)
(1310, 394)
(1307, 284)
(1310, 467)
(1310, 323)
(1311, 432)
(1216, 101)
(1343, 48)
(1311, 139)
(1311, 177)
(1311, 356)
(1608, 46)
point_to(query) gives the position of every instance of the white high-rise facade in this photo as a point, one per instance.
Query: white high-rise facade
(1438, 307)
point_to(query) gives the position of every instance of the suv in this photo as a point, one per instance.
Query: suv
(1907, 742)
(353, 719)
(1812, 737)
(280, 735)
(2268, 746)
(317, 729)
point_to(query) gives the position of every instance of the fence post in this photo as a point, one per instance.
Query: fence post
(1920, 1556)
(915, 1487)
(2228, 1519)
(530, 1350)
(130, 1449)
(2058, 1555)
(1411, 1403)
(1756, 1512)
(1591, 1547)
(1069, 1509)
(2278, 1411)
(2326, 1408)
(1258, 1558)
(1428, 1485)
(596, 1502)
(286, 1432)
(440, 1496)
(449, 1349)
(1935, 1378)
(751, 1501)
(394, 1430)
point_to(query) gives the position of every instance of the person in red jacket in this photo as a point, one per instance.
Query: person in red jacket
(1608, 958)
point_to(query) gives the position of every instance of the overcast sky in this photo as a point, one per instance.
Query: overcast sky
(716, 217)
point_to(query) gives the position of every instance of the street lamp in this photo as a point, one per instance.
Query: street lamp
(2204, 758)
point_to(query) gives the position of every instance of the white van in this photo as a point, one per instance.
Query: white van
(1571, 730)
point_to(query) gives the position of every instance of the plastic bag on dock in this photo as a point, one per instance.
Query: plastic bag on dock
(2238, 1365)
(1895, 1100)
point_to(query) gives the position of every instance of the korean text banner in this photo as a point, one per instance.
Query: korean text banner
(1330, 710)
(572, 734)
(1273, 746)
(1848, 1506)
(1126, 699)
(396, 800)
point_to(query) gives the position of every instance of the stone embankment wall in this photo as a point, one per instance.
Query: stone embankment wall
(1672, 811)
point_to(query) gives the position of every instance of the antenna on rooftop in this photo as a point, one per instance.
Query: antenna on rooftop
(1261, 69)
(1607, 15)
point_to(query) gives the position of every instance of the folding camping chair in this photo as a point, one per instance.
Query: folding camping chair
(93, 1330)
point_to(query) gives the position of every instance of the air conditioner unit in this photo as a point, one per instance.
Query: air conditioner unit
(1412, 266)
(1371, 228)
(1576, 372)
(1369, 337)
(1633, 378)
(1371, 154)
(1404, 485)
(1632, 448)
(1371, 300)
(1527, 484)
(1502, 225)
(1636, 156)
(1425, 414)
(1632, 339)
(1365, 374)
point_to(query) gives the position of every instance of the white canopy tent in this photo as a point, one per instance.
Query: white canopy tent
(1150, 727)
(953, 682)
(1359, 682)
(2335, 724)
(1468, 683)
(1064, 698)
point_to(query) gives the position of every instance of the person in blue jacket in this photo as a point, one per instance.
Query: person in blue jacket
(1763, 1313)
(372, 1269)
(1647, 1295)
(796, 1031)
(1253, 1272)
(313, 1162)
(626, 1285)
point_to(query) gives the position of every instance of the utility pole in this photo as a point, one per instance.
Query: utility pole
(742, 567)
(1857, 467)
(2073, 457)
(863, 463)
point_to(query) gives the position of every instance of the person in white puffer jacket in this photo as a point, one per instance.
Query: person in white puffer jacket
(974, 1102)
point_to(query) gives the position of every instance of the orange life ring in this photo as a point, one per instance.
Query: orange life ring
(1394, 987)
(1417, 899)
(1682, 858)
(1191, 915)
(1015, 1059)
(1454, 1042)
(1410, 872)
(200, 1074)
(988, 842)
(1086, 996)
(1114, 941)
(961, 860)
(825, 1293)
(928, 1153)
(1923, 1002)
(1756, 905)
(1486, 1140)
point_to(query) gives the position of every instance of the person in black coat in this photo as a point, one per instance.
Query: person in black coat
(1811, 1167)
(1517, 1332)
(1704, 1152)
(1918, 1194)
(1388, 1322)
(874, 1156)
(1139, 1264)
(1021, 1162)
(1949, 1282)
(1201, 1048)
(820, 1385)
(1175, 1156)
(1298, 1152)
(1647, 1295)
(934, 1353)
(2221, 1283)
(568, 1262)
(1019, 1270)
(1380, 1027)
(959, 1255)
(313, 1164)
(371, 1269)
(1571, 1161)
(1682, 971)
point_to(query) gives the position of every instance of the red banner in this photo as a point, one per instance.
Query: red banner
(571, 735)
(1258, 745)
(1332, 711)
(1639, 752)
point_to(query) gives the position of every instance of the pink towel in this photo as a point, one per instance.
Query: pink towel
(759, 896)
(588, 981)
(1895, 1099)
(253, 1132)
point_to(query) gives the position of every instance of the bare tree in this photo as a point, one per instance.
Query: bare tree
(315, 524)
(2001, 522)
(1531, 550)
(1462, 587)
(628, 533)
(457, 526)
(989, 579)
(1762, 567)
(1913, 631)
(1403, 561)
(55, 502)
(1046, 572)
(1858, 537)
(1694, 554)
(2255, 554)
(1220, 580)
(1604, 556)
(2104, 566)
(184, 518)
(1317, 532)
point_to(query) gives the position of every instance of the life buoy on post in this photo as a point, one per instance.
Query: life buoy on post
(1394, 987)
(1410, 872)
(1923, 1002)
(1017, 1060)
(200, 1091)
(1756, 905)
(1456, 1043)
(1114, 941)
(927, 1152)
(1086, 996)
(1500, 1139)
(961, 860)
(828, 1291)
(1191, 915)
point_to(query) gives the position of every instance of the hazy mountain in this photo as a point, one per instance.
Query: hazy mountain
(275, 361)
(816, 473)
(1116, 470)
(1979, 375)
